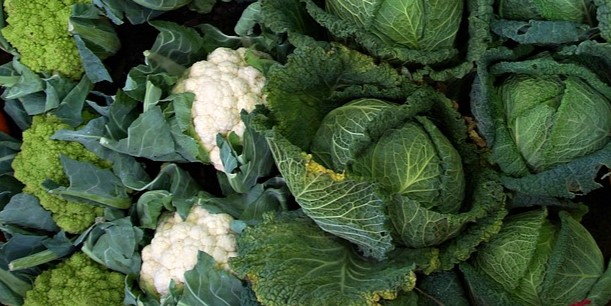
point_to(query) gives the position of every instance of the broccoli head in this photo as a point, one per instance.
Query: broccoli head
(39, 160)
(77, 281)
(38, 29)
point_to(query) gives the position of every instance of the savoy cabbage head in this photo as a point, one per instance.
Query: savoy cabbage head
(546, 118)
(437, 39)
(534, 259)
(415, 24)
(374, 173)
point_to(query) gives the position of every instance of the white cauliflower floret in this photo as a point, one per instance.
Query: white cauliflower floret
(224, 85)
(173, 250)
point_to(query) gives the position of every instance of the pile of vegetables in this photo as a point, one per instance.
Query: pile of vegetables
(305, 152)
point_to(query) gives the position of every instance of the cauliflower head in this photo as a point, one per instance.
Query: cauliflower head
(174, 248)
(39, 160)
(224, 84)
(77, 281)
(38, 29)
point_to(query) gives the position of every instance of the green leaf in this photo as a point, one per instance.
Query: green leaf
(601, 291)
(202, 6)
(148, 136)
(92, 185)
(13, 288)
(9, 186)
(97, 33)
(290, 260)
(444, 288)
(23, 81)
(176, 48)
(208, 284)
(150, 205)
(25, 210)
(541, 32)
(162, 5)
(70, 108)
(117, 10)
(9, 147)
(94, 68)
(253, 162)
(115, 245)
(346, 208)
(576, 262)
(567, 180)
(122, 112)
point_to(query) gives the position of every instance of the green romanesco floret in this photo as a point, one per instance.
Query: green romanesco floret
(38, 29)
(78, 281)
(39, 160)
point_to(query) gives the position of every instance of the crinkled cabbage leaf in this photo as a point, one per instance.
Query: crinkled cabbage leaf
(289, 260)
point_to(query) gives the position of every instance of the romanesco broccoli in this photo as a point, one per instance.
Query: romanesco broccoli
(39, 31)
(78, 281)
(39, 160)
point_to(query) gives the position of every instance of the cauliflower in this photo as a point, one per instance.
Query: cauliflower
(38, 29)
(39, 160)
(223, 85)
(77, 281)
(174, 248)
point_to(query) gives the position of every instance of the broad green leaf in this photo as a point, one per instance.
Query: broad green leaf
(70, 108)
(246, 165)
(92, 185)
(601, 291)
(115, 245)
(175, 49)
(540, 32)
(122, 112)
(25, 210)
(125, 167)
(95, 30)
(162, 5)
(12, 288)
(9, 186)
(576, 262)
(209, 284)
(290, 260)
(27, 82)
(56, 247)
(520, 234)
(118, 10)
(94, 68)
(148, 136)
(344, 207)
(150, 205)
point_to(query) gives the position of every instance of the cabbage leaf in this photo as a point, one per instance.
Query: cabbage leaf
(290, 261)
